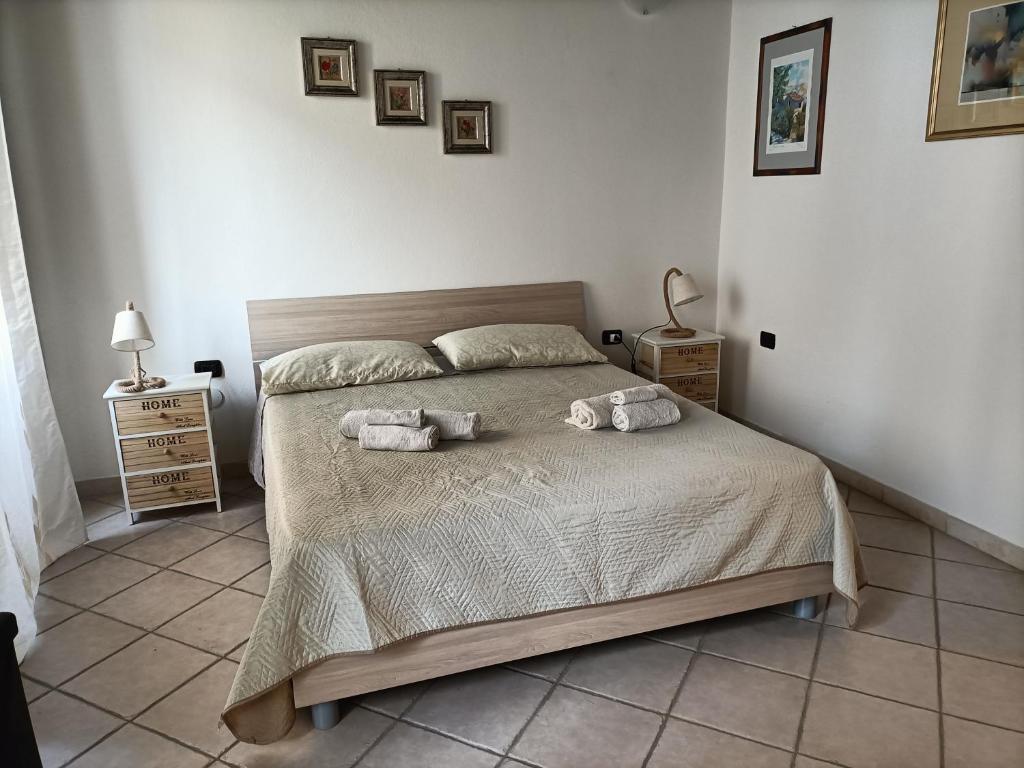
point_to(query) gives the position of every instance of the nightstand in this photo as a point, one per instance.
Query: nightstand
(689, 367)
(164, 445)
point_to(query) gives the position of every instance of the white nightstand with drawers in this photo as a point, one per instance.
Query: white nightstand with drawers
(689, 367)
(164, 442)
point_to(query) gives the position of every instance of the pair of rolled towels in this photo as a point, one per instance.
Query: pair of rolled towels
(412, 429)
(628, 410)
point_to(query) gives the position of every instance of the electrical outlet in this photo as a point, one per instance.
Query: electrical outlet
(767, 340)
(216, 367)
(611, 337)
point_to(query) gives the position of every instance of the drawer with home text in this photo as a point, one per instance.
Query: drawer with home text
(701, 387)
(160, 489)
(170, 450)
(688, 366)
(160, 414)
(691, 358)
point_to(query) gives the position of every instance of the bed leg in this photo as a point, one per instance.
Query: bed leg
(326, 715)
(805, 608)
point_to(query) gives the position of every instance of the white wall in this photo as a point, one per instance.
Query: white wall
(165, 151)
(894, 279)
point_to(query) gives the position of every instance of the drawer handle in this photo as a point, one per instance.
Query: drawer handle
(171, 488)
(163, 415)
(168, 452)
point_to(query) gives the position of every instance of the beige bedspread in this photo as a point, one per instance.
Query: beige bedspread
(369, 548)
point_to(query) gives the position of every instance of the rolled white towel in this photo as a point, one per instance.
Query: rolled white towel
(454, 425)
(389, 437)
(641, 394)
(591, 412)
(352, 421)
(647, 415)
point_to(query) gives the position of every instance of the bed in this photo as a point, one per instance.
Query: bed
(393, 568)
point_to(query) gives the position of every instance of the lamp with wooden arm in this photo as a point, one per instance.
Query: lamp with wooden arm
(680, 289)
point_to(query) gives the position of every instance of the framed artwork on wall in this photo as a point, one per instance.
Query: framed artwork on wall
(401, 96)
(792, 80)
(467, 127)
(978, 70)
(329, 67)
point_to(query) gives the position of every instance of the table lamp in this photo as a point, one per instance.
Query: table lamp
(132, 334)
(679, 289)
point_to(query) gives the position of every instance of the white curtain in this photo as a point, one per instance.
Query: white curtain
(40, 517)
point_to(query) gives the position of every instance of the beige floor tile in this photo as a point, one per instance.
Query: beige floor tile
(898, 570)
(861, 731)
(860, 502)
(973, 745)
(72, 559)
(133, 678)
(576, 729)
(257, 530)
(306, 747)
(237, 513)
(738, 698)
(685, 635)
(226, 561)
(115, 531)
(256, 582)
(393, 701)
(97, 580)
(65, 727)
(115, 499)
(79, 642)
(985, 587)
(217, 624)
(408, 746)
(802, 761)
(983, 690)
(889, 533)
(33, 690)
(157, 600)
(486, 707)
(948, 548)
(50, 612)
(236, 655)
(685, 745)
(982, 632)
(170, 544)
(766, 639)
(192, 713)
(879, 666)
(548, 665)
(889, 614)
(634, 670)
(93, 510)
(134, 747)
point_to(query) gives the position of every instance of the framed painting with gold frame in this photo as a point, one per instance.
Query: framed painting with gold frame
(401, 96)
(978, 73)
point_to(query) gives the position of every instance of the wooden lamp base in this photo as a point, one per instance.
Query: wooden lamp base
(675, 332)
(139, 381)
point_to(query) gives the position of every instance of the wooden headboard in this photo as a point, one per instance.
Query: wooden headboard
(280, 325)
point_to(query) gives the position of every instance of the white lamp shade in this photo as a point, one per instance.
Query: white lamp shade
(683, 290)
(131, 332)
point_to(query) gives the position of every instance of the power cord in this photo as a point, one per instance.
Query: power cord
(636, 345)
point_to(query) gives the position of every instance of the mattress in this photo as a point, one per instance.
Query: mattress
(369, 548)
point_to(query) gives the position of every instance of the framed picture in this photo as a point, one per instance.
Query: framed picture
(978, 72)
(329, 67)
(401, 96)
(792, 79)
(467, 127)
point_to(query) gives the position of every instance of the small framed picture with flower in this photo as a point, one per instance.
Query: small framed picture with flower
(329, 67)
(467, 127)
(401, 96)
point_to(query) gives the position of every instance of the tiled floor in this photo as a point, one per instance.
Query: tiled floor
(142, 629)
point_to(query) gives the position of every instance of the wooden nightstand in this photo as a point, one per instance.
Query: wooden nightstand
(689, 367)
(165, 445)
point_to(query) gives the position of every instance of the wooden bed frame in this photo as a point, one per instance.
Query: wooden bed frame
(280, 325)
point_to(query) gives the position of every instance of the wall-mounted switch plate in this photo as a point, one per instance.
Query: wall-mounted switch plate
(611, 337)
(767, 340)
(216, 367)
